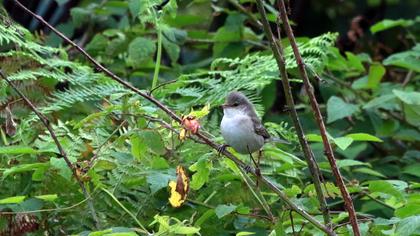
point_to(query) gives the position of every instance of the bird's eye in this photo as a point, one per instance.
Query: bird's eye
(235, 104)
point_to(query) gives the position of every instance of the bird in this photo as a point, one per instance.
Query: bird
(240, 126)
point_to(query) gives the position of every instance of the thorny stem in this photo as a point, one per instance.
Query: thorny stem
(319, 120)
(309, 156)
(172, 114)
(60, 148)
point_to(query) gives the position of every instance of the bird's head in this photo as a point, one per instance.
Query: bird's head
(237, 102)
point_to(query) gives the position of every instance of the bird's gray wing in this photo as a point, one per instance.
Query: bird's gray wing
(259, 128)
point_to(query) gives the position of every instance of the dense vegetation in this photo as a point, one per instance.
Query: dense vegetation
(189, 55)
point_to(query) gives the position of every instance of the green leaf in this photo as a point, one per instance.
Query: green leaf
(343, 142)
(202, 172)
(387, 24)
(338, 109)
(369, 172)
(411, 98)
(47, 197)
(141, 49)
(172, 49)
(17, 150)
(153, 141)
(380, 102)
(184, 230)
(376, 72)
(410, 209)
(314, 137)
(245, 233)
(412, 114)
(80, 16)
(158, 180)
(159, 163)
(293, 191)
(408, 225)
(364, 137)
(62, 167)
(346, 163)
(412, 170)
(223, 210)
(134, 7)
(408, 59)
(383, 186)
(138, 147)
(12, 200)
(25, 168)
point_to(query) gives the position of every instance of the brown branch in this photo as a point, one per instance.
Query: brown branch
(60, 148)
(172, 114)
(277, 49)
(319, 120)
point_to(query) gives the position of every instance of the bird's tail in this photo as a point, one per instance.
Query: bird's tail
(277, 140)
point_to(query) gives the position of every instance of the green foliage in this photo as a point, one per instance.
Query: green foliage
(371, 105)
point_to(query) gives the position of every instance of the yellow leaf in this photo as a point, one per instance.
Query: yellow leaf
(180, 188)
(201, 113)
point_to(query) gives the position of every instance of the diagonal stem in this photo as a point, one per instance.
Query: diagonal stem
(278, 53)
(60, 148)
(319, 120)
(172, 114)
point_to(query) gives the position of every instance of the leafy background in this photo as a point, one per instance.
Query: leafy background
(364, 54)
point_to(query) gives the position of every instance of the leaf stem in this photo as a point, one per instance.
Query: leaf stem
(158, 57)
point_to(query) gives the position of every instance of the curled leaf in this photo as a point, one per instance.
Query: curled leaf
(180, 188)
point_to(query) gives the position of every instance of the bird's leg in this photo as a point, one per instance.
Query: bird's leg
(257, 165)
(221, 149)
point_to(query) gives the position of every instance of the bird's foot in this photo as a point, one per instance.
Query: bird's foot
(248, 169)
(221, 149)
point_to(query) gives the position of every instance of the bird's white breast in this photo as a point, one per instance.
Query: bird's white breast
(238, 131)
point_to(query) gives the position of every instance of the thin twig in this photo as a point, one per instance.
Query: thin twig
(60, 148)
(319, 120)
(172, 114)
(291, 222)
(161, 85)
(277, 49)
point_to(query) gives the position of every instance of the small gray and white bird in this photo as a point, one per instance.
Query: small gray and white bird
(241, 128)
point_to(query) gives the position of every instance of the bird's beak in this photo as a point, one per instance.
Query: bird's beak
(223, 106)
